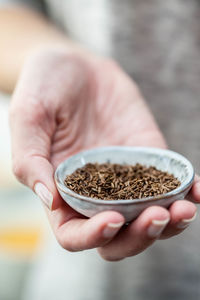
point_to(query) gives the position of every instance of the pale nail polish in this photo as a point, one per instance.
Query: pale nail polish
(44, 194)
(186, 222)
(111, 229)
(156, 227)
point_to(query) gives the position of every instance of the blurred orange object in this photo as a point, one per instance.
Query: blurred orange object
(20, 240)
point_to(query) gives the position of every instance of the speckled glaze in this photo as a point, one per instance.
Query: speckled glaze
(164, 160)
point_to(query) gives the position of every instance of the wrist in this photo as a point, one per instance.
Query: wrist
(54, 56)
(61, 45)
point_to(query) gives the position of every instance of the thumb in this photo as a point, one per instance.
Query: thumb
(37, 173)
(31, 147)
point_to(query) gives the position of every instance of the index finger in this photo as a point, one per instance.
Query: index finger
(75, 232)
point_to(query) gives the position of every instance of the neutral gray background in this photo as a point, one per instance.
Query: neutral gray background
(158, 44)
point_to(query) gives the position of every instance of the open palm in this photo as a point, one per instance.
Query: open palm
(67, 103)
(105, 108)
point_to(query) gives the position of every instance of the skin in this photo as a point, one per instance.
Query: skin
(67, 100)
(83, 102)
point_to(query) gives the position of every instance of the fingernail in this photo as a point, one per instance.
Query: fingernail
(186, 222)
(156, 227)
(111, 229)
(44, 194)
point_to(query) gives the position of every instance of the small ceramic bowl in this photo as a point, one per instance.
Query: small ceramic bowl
(164, 160)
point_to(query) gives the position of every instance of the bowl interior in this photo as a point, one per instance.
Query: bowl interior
(164, 160)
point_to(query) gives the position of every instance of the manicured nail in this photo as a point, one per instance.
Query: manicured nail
(111, 229)
(44, 194)
(156, 227)
(186, 222)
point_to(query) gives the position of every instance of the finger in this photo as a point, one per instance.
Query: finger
(182, 214)
(194, 194)
(77, 234)
(138, 235)
(31, 132)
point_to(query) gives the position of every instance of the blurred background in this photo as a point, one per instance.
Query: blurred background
(31, 261)
(23, 225)
(165, 64)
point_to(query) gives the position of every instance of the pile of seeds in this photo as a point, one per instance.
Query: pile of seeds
(114, 181)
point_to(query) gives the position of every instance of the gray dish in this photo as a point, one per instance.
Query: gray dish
(164, 160)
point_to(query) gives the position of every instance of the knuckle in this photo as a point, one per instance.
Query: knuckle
(110, 257)
(70, 249)
(67, 245)
(18, 170)
(130, 253)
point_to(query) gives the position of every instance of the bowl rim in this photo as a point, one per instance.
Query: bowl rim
(175, 155)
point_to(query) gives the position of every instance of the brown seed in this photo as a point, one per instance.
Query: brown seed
(114, 181)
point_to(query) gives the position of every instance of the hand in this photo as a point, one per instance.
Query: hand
(66, 103)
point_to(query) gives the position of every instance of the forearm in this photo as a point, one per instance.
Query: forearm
(22, 32)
